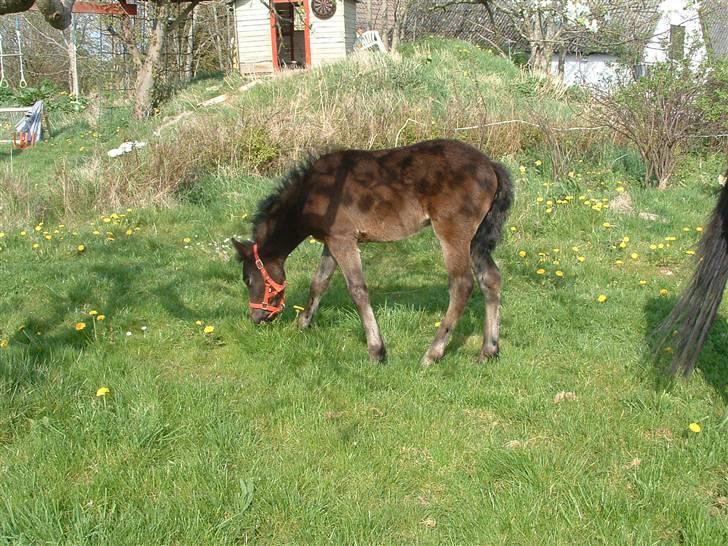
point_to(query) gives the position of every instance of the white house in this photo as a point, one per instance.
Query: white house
(678, 31)
(659, 28)
(293, 34)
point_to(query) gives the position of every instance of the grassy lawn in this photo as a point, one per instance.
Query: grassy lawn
(272, 435)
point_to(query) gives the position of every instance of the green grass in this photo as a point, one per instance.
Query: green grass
(271, 435)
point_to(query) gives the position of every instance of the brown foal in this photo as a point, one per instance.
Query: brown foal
(352, 196)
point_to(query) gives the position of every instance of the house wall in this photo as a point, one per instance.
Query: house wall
(595, 69)
(252, 27)
(329, 39)
(676, 12)
(350, 14)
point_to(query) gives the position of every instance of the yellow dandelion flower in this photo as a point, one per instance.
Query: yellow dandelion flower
(664, 292)
(102, 391)
(618, 262)
(661, 246)
(634, 256)
(36, 246)
(620, 189)
(653, 247)
(539, 199)
(101, 317)
(694, 427)
(4, 343)
(209, 329)
(698, 229)
(437, 324)
(601, 298)
(199, 322)
(686, 229)
(106, 220)
(93, 312)
(537, 163)
(559, 273)
(607, 225)
(689, 252)
(129, 231)
(2, 234)
(186, 240)
(81, 248)
(23, 233)
(581, 258)
(671, 238)
(80, 326)
(522, 253)
(540, 271)
(643, 282)
(622, 245)
(39, 227)
(522, 169)
(297, 308)
(514, 229)
(549, 210)
(625, 239)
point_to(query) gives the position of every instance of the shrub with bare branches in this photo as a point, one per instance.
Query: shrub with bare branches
(658, 114)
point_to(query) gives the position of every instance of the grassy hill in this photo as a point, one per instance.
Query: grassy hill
(271, 435)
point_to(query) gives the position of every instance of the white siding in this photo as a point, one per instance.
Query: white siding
(592, 69)
(676, 12)
(252, 24)
(329, 38)
(349, 24)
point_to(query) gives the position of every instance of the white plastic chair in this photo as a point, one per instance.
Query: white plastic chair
(371, 39)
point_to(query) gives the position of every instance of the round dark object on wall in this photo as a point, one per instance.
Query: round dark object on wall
(323, 9)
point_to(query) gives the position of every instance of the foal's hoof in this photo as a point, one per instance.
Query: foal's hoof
(488, 353)
(304, 321)
(378, 354)
(429, 359)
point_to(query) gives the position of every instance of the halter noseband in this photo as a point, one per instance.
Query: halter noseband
(270, 291)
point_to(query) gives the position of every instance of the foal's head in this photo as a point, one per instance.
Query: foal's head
(266, 282)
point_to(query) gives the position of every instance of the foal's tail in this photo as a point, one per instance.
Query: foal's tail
(489, 231)
(687, 326)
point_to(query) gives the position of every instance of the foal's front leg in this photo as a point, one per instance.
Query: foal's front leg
(319, 284)
(346, 253)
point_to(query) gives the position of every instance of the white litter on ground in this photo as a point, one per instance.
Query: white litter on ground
(125, 148)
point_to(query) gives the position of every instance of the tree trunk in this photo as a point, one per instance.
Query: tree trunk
(540, 61)
(218, 38)
(73, 61)
(190, 47)
(144, 89)
(562, 64)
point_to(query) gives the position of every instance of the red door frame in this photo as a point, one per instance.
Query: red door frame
(306, 32)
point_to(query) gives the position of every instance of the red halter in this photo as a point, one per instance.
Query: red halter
(271, 290)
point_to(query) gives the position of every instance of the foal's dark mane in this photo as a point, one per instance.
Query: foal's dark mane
(286, 200)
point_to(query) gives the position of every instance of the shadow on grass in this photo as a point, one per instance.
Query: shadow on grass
(124, 277)
(118, 282)
(712, 361)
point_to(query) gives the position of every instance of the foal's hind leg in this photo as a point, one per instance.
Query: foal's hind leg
(319, 284)
(460, 279)
(489, 278)
(346, 253)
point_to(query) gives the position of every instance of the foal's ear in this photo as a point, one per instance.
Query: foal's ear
(244, 249)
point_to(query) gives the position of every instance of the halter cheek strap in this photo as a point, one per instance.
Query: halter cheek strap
(270, 291)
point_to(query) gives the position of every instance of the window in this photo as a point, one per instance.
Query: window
(677, 43)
